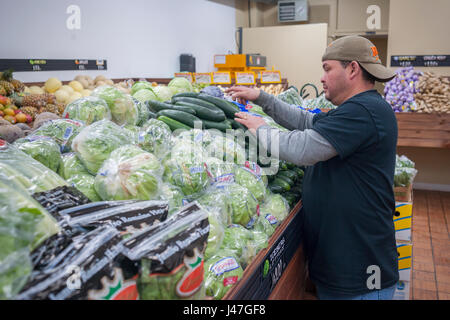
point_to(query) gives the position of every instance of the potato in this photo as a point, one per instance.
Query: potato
(109, 82)
(99, 78)
(77, 86)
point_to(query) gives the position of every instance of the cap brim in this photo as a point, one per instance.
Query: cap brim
(380, 72)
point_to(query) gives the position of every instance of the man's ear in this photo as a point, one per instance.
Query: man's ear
(355, 69)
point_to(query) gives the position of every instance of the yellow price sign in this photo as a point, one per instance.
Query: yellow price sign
(245, 78)
(221, 77)
(270, 77)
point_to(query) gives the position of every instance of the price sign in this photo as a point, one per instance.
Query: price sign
(421, 61)
(270, 77)
(221, 77)
(186, 75)
(245, 78)
(52, 64)
(204, 77)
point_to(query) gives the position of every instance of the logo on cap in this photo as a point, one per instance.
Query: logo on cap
(374, 52)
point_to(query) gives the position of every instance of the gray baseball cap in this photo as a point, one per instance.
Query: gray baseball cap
(362, 50)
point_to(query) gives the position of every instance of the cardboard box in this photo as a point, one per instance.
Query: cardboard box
(404, 251)
(403, 193)
(402, 291)
(403, 220)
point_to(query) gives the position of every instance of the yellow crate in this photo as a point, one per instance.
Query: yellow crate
(404, 251)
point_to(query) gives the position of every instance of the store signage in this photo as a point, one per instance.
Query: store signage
(421, 61)
(373, 22)
(270, 77)
(73, 22)
(220, 59)
(221, 77)
(204, 77)
(51, 64)
(186, 75)
(245, 78)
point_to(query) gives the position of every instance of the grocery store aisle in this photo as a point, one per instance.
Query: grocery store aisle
(431, 246)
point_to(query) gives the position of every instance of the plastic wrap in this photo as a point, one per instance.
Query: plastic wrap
(171, 255)
(121, 105)
(275, 205)
(95, 143)
(243, 206)
(266, 223)
(250, 176)
(404, 171)
(63, 131)
(42, 149)
(84, 182)
(220, 171)
(129, 173)
(143, 111)
(24, 224)
(71, 165)
(87, 109)
(222, 271)
(174, 196)
(291, 96)
(225, 148)
(155, 137)
(23, 172)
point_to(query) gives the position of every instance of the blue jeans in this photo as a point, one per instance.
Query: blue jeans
(382, 294)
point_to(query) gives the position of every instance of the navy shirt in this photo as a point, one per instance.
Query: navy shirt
(349, 199)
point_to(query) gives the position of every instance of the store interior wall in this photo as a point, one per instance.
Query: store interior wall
(138, 38)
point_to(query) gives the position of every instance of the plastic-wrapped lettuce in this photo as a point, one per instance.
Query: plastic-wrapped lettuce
(155, 137)
(163, 93)
(143, 112)
(139, 85)
(71, 166)
(225, 148)
(24, 224)
(222, 271)
(129, 173)
(179, 85)
(220, 171)
(291, 96)
(121, 105)
(244, 206)
(62, 131)
(276, 205)
(250, 176)
(84, 182)
(22, 171)
(96, 141)
(87, 109)
(216, 231)
(43, 149)
(266, 223)
(144, 95)
(173, 195)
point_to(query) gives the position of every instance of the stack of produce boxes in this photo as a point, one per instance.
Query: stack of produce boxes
(404, 175)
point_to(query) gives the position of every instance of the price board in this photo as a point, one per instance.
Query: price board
(270, 76)
(421, 61)
(245, 78)
(186, 75)
(52, 64)
(221, 77)
(203, 77)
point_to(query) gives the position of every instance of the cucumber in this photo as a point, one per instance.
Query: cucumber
(204, 113)
(291, 174)
(280, 182)
(222, 126)
(227, 107)
(180, 116)
(203, 103)
(236, 125)
(186, 94)
(157, 106)
(173, 124)
(300, 172)
(288, 180)
(275, 188)
(152, 115)
(297, 189)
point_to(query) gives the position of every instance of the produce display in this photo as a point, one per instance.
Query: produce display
(433, 93)
(405, 171)
(399, 92)
(109, 153)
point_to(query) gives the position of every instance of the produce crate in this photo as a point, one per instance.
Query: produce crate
(262, 275)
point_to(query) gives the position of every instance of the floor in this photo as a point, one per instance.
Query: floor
(430, 278)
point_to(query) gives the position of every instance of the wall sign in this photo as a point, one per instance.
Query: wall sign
(420, 61)
(73, 22)
(51, 64)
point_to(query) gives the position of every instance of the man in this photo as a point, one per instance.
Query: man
(348, 197)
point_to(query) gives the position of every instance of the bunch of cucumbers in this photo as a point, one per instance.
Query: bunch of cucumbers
(184, 109)
(288, 182)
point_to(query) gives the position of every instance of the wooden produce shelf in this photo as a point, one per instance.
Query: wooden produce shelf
(265, 277)
(423, 130)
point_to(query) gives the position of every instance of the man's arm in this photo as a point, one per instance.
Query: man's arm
(288, 116)
(298, 147)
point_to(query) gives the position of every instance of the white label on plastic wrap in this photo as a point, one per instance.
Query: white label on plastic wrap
(271, 218)
(226, 264)
(251, 223)
(194, 170)
(141, 137)
(68, 133)
(225, 178)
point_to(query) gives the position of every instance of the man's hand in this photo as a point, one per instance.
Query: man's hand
(251, 122)
(241, 94)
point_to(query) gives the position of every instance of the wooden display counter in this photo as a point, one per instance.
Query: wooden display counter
(278, 271)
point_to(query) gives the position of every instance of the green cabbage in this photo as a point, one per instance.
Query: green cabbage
(84, 182)
(252, 181)
(276, 205)
(129, 173)
(87, 109)
(266, 223)
(179, 85)
(96, 141)
(244, 206)
(155, 137)
(143, 112)
(71, 166)
(163, 93)
(42, 149)
(139, 85)
(63, 131)
(144, 95)
(121, 105)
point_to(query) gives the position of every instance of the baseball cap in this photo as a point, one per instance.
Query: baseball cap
(362, 50)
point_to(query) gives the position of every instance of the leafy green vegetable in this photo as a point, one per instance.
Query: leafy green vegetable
(144, 95)
(173, 195)
(163, 93)
(140, 85)
(275, 205)
(252, 181)
(121, 105)
(62, 131)
(291, 96)
(155, 137)
(84, 182)
(222, 271)
(266, 223)
(96, 141)
(129, 173)
(244, 206)
(143, 112)
(179, 85)
(87, 109)
(42, 149)
(71, 166)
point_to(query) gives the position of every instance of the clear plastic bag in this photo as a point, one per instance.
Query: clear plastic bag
(129, 173)
(84, 182)
(222, 271)
(243, 205)
(290, 96)
(250, 176)
(174, 196)
(404, 176)
(62, 131)
(71, 165)
(95, 142)
(403, 162)
(155, 137)
(87, 109)
(276, 205)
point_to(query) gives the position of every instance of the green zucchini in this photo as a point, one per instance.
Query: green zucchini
(152, 115)
(204, 113)
(275, 188)
(291, 174)
(180, 116)
(236, 125)
(202, 103)
(227, 107)
(288, 180)
(186, 94)
(173, 124)
(300, 172)
(222, 126)
(157, 106)
(282, 183)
